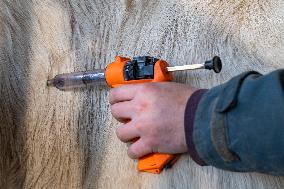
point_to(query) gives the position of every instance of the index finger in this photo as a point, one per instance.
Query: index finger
(122, 93)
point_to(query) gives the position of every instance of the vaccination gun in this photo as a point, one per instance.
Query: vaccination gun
(122, 71)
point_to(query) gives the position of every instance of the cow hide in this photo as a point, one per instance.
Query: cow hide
(55, 139)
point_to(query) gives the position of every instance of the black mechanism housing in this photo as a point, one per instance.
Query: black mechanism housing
(141, 67)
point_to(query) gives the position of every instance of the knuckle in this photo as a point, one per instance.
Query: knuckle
(141, 128)
(151, 143)
(141, 107)
(148, 88)
(145, 124)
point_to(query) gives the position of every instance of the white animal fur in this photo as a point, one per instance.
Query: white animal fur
(54, 139)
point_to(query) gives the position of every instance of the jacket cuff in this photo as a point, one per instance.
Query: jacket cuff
(211, 134)
(189, 116)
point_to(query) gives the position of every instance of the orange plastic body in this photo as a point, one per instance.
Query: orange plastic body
(114, 73)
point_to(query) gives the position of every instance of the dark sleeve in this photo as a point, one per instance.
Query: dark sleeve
(189, 115)
(239, 125)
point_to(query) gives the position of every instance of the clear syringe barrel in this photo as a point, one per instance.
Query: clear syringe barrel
(73, 80)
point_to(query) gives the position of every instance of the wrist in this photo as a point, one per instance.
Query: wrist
(189, 116)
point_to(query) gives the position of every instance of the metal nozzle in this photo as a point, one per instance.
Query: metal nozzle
(50, 82)
(77, 79)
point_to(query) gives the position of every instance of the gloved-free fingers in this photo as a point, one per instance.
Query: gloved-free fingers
(122, 111)
(122, 93)
(138, 149)
(127, 132)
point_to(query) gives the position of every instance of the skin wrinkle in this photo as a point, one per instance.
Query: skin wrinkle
(55, 139)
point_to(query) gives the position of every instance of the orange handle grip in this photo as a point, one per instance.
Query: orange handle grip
(154, 162)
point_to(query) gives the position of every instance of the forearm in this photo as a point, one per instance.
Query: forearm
(239, 125)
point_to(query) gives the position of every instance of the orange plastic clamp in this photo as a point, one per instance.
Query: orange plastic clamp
(114, 73)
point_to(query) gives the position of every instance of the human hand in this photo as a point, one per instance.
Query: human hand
(153, 113)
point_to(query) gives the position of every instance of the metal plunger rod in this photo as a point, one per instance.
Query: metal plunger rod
(185, 67)
(215, 64)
